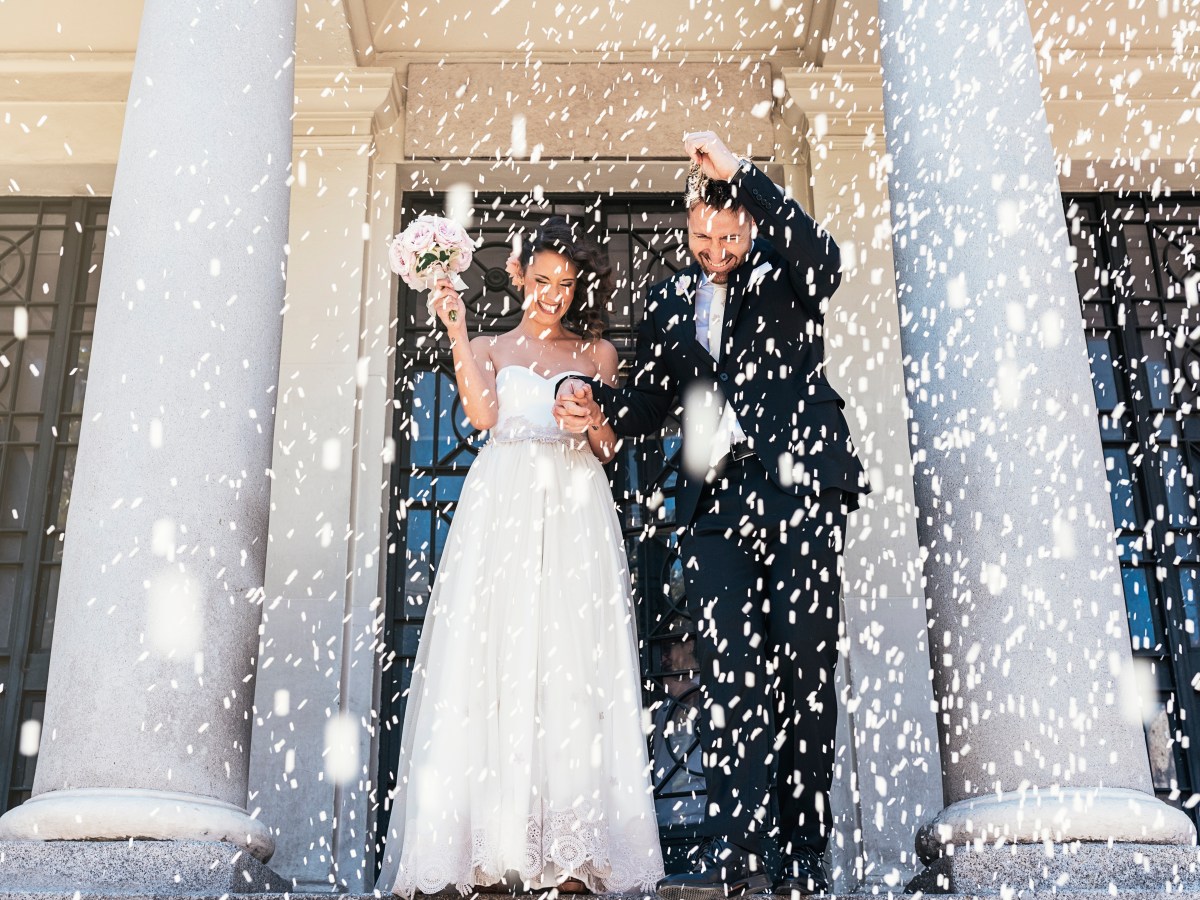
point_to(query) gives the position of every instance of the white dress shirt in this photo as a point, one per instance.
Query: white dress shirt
(710, 322)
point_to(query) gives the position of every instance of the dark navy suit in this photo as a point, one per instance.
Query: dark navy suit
(762, 538)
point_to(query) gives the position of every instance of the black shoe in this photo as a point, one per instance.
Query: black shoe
(719, 869)
(803, 875)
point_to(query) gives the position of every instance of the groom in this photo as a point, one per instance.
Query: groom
(769, 475)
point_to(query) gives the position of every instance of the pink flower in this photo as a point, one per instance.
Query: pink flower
(401, 259)
(451, 236)
(513, 267)
(419, 236)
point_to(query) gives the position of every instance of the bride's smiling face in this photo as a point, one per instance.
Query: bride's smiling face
(550, 280)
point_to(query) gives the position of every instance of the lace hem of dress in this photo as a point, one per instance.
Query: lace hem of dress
(519, 428)
(571, 843)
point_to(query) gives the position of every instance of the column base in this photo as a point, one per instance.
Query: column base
(173, 868)
(1018, 870)
(122, 814)
(1055, 814)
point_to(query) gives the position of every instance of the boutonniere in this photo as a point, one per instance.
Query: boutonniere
(683, 285)
(759, 273)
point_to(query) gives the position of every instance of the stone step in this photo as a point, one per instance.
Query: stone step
(205, 870)
(883, 895)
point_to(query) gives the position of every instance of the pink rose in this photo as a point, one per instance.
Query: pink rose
(454, 237)
(419, 236)
(449, 234)
(401, 259)
(463, 257)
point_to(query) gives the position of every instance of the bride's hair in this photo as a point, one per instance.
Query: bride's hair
(587, 315)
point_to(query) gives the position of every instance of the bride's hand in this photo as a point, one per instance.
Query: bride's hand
(576, 409)
(444, 300)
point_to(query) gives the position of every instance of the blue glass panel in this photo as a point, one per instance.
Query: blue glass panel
(1158, 377)
(452, 423)
(1180, 489)
(449, 487)
(1191, 604)
(1131, 548)
(442, 524)
(422, 412)
(1187, 546)
(1104, 379)
(420, 488)
(1120, 488)
(1143, 630)
(418, 568)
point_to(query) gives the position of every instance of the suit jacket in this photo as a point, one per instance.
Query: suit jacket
(772, 365)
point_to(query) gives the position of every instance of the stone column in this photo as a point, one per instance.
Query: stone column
(1029, 642)
(147, 722)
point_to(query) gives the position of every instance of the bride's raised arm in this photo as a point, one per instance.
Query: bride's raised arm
(473, 368)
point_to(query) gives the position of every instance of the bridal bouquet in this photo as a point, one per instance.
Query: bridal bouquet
(430, 248)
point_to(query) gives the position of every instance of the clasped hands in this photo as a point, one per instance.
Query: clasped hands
(575, 409)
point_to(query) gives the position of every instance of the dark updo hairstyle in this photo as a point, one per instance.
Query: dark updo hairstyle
(586, 315)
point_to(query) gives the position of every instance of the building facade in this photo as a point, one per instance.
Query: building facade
(261, 459)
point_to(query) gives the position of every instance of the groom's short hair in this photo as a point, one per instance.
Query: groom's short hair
(714, 193)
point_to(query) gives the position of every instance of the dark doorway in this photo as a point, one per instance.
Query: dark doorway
(1138, 274)
(50, 256)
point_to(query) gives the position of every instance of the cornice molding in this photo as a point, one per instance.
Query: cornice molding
(339, 107)
(591, 58)
(1156, 76)
(842, 106)
(64, 77)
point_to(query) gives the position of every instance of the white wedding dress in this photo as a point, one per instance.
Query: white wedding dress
(523, 745)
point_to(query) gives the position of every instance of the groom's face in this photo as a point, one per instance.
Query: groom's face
(719, 239)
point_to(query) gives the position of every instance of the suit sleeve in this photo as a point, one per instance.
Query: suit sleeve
(814, 261)
(641, 406)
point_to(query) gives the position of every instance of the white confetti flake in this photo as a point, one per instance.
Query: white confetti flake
(341, 749)
(162, 539)
(702, 409)
(31, 737)
(174, 625)
(331, 454)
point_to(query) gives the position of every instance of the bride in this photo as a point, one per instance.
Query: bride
(523, 749)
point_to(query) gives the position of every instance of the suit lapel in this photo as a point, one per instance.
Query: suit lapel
(681, 316)
(738, 282)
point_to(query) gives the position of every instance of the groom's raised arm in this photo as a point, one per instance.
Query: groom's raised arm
(814, 259)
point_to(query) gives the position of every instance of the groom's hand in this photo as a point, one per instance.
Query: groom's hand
(710, 153)
(576, 409)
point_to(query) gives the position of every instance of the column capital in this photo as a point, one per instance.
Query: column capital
(842, 106)
(344, 107)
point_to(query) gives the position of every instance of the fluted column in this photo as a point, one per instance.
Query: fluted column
(1029, 642)
(147, 715)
